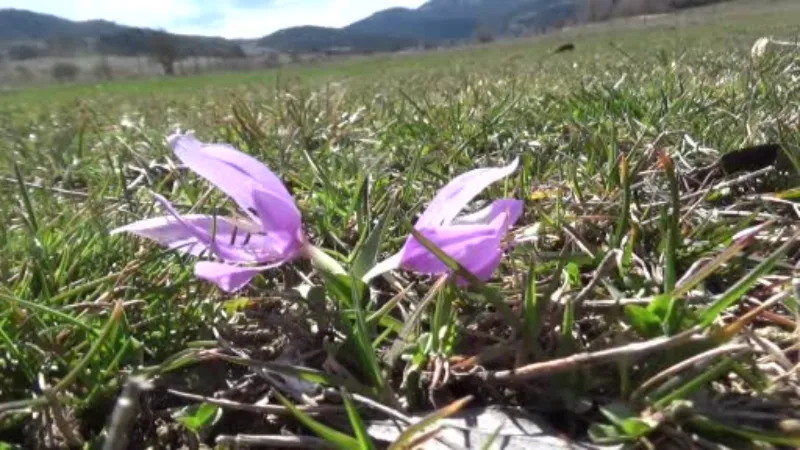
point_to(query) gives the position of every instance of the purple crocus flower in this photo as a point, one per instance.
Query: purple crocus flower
(269, 236)
(474, 240)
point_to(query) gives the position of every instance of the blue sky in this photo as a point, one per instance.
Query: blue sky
(228, 18)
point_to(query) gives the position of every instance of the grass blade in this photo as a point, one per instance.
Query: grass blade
(337, 438)
(409, 433)
(735, 292)
(364, 441)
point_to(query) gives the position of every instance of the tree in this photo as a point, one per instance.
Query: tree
(65, 45)
(22, 52)
(103, 70)
(596, 10)
(65, 71)
(164, 50)
(483, 34)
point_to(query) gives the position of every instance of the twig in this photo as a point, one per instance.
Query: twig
(611, 303)
(275, 441)
(671, 371)
(103, 305)
(67, 430)
(51, 189)
(124, 414)
(261, 409)
(590, 358)
(606, 264)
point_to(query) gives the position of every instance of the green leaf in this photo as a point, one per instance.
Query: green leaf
(532, 311)
(695, 384)
(357, 423)
(359, 335)
(607, 434)
(409, 433)
(636, 427)
(345, 288)
(237, 304)
(660, 306)
(625, 182)
(367, 253)
(645, 322)
(197, 417)
(334, 437)
(785, 439)
(617, 413)
(737, 291)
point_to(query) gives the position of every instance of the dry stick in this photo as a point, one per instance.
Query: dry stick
(70, 434)
(95, 306)
(711, 353)
(773, 351)
(605, 265)
(124, 414)
(275, 441)
(570, 363)
(51, 189)
(581, 244)
(611, 303)
(710, 189)
(261, 409)
(671, 371)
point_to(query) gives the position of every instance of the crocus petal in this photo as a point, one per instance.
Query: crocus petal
(387, 265)
(237, 184)
(486, 215)
(169, 232)
(225, 242)
(280, 220)
(473, 246)
(228, 277)
(452, 198)
(238, 160)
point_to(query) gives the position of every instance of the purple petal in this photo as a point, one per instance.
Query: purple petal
(237, 184)
(476, 247)
(169, 232)
(227, 241)
(452, 198)
(240, 161)
(281, 221)
(486, 215)
(228, 277)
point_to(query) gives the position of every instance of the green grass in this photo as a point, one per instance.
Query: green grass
(362, 138)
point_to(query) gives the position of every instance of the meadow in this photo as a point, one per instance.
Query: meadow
(647, 296)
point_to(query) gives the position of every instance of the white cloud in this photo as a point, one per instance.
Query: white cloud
(220, 18)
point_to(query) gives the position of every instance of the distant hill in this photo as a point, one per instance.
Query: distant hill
(437, 22)
(312, 39)
(18, 24)
(45, 34)
(417, 25)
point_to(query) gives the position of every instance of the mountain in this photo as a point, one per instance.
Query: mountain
(312, 39)
(18, 24)
(418, 24)
(435, 22)
(30, 35)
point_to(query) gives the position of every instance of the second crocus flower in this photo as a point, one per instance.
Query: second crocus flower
(474, 240)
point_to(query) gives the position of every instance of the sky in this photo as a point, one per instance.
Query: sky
(227, 18)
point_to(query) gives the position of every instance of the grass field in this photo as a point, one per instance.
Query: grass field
(638, 306)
